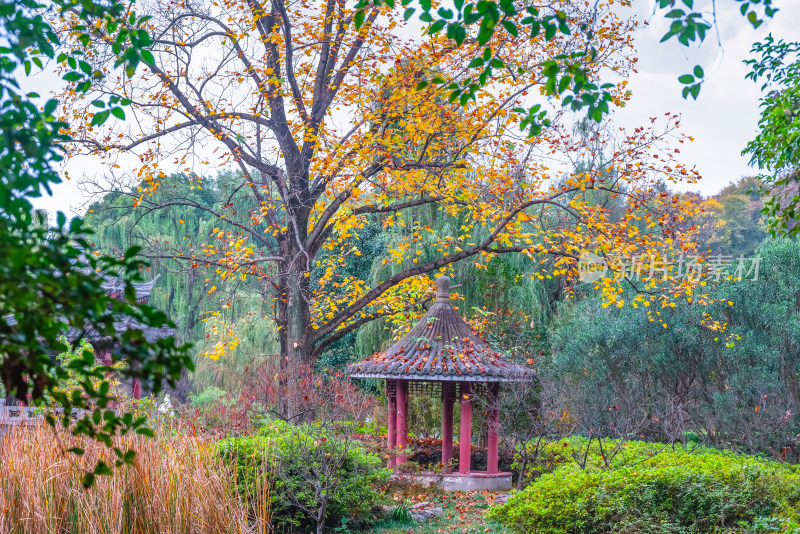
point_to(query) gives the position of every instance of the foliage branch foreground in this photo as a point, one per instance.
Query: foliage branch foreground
(566, 75)
(47, 280)
(776, 148)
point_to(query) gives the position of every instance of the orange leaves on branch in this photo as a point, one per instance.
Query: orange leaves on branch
(329, 138)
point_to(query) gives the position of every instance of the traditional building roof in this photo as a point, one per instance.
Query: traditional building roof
(115, 288)
(124, 323)
(441, 347)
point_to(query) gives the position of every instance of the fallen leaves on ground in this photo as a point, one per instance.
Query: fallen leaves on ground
(463, 510)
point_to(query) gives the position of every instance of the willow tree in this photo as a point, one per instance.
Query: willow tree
(329, 124)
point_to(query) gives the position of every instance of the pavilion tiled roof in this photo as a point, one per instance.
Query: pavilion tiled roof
(441, 347)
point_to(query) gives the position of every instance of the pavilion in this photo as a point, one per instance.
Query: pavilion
(441, 354)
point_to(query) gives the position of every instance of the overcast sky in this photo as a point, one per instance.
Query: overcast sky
(725, 116)
(721, 121)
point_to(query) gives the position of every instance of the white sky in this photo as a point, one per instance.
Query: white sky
(725, 116)
(721, 121)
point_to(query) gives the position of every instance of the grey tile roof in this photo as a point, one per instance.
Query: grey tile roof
(115, 288)
(124, 324)
(441, 347)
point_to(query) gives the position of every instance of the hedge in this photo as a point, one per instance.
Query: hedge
(644, 490)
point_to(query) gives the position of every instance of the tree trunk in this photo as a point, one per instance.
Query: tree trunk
(295, 282)
(293, 303)
(298, 319)
(321, 514)
(521, 479)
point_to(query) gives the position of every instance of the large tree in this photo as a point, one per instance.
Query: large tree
(329, 126)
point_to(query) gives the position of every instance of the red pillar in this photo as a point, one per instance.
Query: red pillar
(465, 441)
(448, 399)
(402, 421)
(391, 393)
(494, 428)
(105, 359)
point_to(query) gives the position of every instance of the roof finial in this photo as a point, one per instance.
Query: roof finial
(443, 289)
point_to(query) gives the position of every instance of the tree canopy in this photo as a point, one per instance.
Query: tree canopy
(325, 140)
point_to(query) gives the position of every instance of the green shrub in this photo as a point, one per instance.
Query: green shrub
(671, 491)
(208, 397)
(402, 514)
(371, 428)
(555, 454)
(255, 459)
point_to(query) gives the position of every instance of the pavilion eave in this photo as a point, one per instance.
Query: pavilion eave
(442, 378)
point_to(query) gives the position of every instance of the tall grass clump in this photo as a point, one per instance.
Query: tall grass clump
(176, 485)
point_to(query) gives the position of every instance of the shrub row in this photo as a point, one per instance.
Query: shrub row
(652, 490)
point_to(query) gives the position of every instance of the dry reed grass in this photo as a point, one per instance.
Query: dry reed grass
(177, 485)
